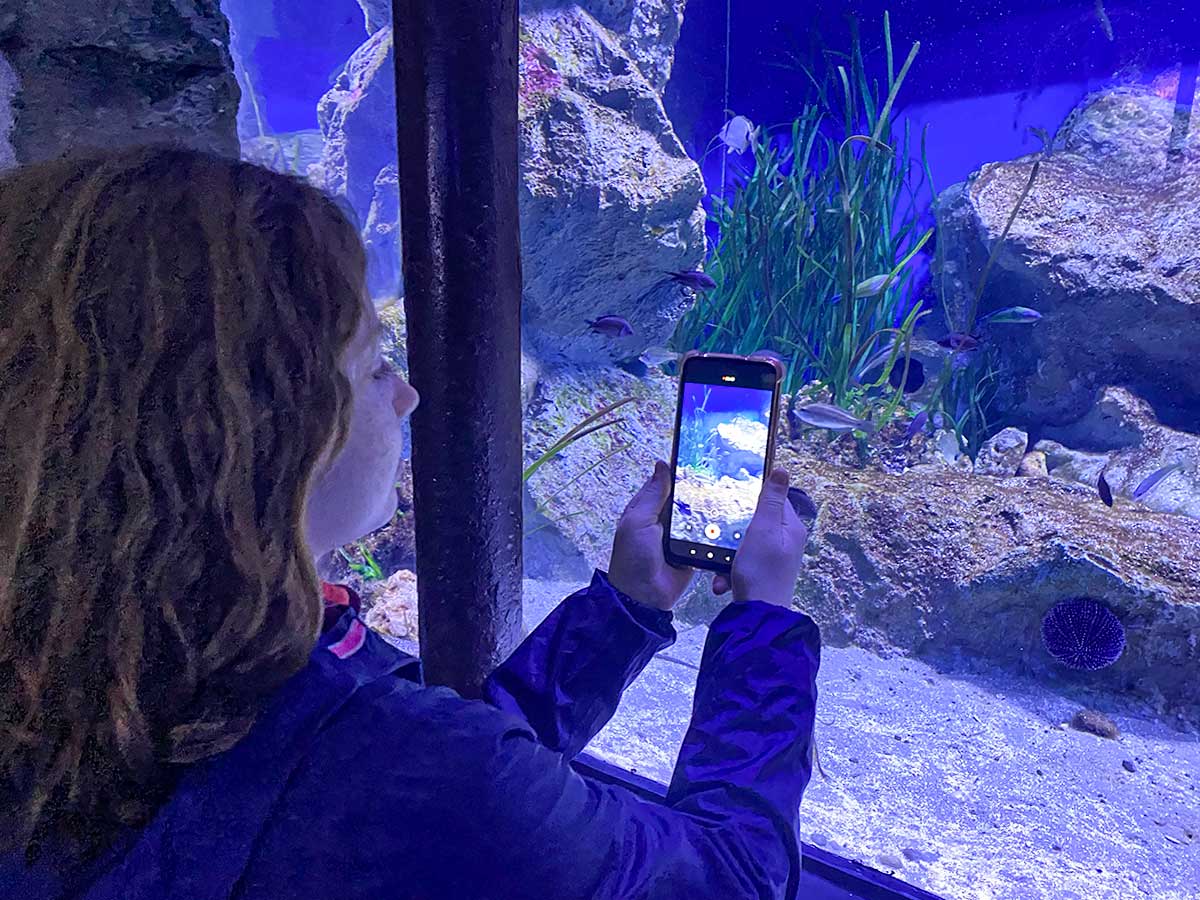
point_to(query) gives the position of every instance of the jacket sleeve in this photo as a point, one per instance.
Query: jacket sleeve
(414, 791)
(567, 676)
(729, 828)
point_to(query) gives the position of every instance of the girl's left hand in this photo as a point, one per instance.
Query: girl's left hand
(638, 567)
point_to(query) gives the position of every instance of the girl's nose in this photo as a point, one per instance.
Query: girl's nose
(406, 399)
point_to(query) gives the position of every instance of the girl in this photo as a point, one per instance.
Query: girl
(195, 408)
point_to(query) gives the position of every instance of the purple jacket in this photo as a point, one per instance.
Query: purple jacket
(357, 781)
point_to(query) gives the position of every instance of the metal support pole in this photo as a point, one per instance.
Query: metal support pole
(456, 92)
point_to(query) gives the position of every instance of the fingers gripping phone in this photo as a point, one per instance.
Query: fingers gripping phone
(723, 448)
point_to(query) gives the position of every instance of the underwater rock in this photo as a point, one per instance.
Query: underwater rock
(377, 14)
(942, 451)
(610, 201)
(934, 563)
(102, 74)
(1104, 247)
(929, 562)
(358, 121)
(1093, 722)
(1002, 453)
(579, 497)
(646, 29)
(1120, 431)
(393, 606)
(1033, 465)
(381, 236)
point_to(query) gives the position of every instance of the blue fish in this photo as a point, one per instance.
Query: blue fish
(1104, 490)
(1149, 482)
(916, 425)
(683, 507)
(697, 281)
(611, 326)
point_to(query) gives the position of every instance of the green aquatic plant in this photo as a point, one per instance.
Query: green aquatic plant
(815, 245)
(368, 569)
(283, 165)
(966, 387)
(588, 425)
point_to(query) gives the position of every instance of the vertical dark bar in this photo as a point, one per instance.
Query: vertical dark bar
(456, 92)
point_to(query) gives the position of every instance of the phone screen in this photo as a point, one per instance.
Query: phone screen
(723, 446)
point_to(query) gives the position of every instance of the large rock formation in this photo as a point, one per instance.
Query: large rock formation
(939, 564)
(1121, 437)
(646, 29)
(105, 73)
(1105, 247)
(609, 199)
(930, 561)
(358, 120)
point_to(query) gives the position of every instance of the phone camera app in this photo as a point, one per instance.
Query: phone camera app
(720, 462)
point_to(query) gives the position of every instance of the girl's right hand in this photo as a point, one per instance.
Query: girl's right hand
(768, 561)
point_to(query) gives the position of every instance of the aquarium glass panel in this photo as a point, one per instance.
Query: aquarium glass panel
(970, 232)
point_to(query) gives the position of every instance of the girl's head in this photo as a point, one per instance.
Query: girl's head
(194, 406)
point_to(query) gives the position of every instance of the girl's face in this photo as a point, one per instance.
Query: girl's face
(357, 493)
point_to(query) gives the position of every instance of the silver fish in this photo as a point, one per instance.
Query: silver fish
(873, 285)
(656, 356)
(737, 134)
(1013, 315)
(832, 418)
(1150, 481)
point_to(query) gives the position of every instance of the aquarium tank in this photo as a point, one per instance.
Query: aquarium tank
(970, 229)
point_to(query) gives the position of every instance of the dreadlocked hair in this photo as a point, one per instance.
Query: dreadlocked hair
(171, 327)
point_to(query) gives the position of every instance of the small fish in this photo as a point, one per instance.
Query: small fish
(833, 418)
(802, 504)
(1105, 21)
(697, 281)
(1150, 481)
(1013, 315)
(656, 356)
(1104, 490)
(737, 133)
(683, 507)
(916, 426)
(959, 340)
(873, 285)
(611, 326)
(768, 354)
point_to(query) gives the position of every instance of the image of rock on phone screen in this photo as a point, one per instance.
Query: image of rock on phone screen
(724, 445)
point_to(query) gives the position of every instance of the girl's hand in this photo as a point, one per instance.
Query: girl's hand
(638, 567)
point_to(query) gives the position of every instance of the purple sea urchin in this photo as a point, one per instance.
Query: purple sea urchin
(1083, 634)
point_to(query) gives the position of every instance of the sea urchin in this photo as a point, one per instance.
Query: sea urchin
(1083, 634)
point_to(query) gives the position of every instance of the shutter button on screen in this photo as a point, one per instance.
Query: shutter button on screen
(711, 531)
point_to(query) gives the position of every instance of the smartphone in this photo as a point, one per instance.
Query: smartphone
(723, 448)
